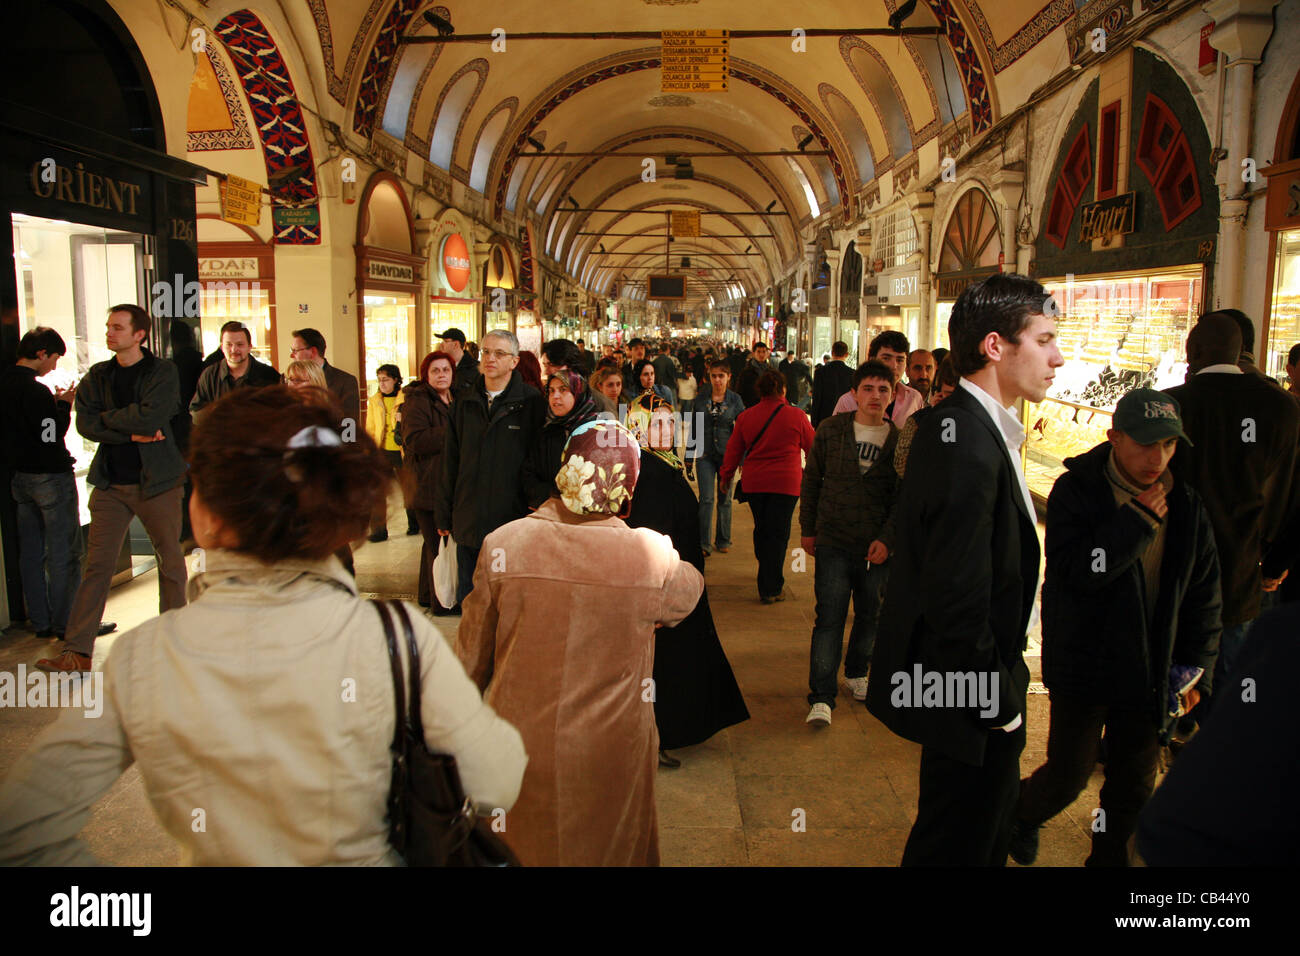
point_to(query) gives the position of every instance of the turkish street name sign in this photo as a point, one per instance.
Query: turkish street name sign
(241, 201)
(694, 61)
(685, 223)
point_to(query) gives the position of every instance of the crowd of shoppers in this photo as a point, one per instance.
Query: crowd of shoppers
(562, 485)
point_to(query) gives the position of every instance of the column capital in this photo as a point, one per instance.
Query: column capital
(1007, 186)
(921, 204)
(1241, 28)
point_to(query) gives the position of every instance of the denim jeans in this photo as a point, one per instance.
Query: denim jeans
(707, 468)
(839, 575)
(49, 546)
(772, 513)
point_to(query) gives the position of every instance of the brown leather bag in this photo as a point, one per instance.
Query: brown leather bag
(430, 820)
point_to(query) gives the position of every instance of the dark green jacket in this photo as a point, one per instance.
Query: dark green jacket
(840, 506)
(157, 402)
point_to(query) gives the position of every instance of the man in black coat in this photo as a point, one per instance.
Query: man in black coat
(238, 369)
(493, 427)
(830, 381)
(1131, 592)
(309, 346)
(798, 380)
(1243, 464)
(747, 384)
(948, 669)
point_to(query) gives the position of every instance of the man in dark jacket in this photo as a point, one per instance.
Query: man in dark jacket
(493, 426)
(32, 431)
(239, 369)
(948, 670)
(309, 346)
(466, 368)
(747, 386)
(798, 380)
(127, 404)
(1243, 464)
(830, 381)
(1131, 592)
(848, 493)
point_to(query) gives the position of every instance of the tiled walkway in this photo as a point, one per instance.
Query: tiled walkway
(738, 799)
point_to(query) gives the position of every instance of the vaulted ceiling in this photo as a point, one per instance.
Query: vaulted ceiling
(495, 118)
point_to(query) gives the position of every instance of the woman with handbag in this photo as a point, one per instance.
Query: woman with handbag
(382, 415)
(563, 646)
(264, 708)
(425, 416)
(766, 446)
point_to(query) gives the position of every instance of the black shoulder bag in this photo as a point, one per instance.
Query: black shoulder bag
(740, 491)
(430, 820)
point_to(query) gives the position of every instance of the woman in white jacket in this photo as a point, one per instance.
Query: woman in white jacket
(260, 714)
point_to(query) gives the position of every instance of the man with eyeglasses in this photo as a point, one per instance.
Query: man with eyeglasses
(493, 425)
(309, 346)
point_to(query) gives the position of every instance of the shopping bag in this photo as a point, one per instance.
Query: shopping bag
(445, 572)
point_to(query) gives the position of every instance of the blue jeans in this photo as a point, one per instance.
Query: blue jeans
(707, 468)
(49, 546)
(838, 576)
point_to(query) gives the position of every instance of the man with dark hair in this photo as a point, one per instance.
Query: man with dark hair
(747, 386)
(559, 355)
(32, 431)
(1246, 360)
(127, 405)
(309, 346)
(964, 574)
(847, 496)
(240, 369)
(798, 381)
(465, 372)
(635, 353)
(1242, 462)
(666, 373)
(830, 381)
(920, 372)
(890, 347)
(586, 363)
(1130, 607)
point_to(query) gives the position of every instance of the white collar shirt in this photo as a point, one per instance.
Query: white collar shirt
(1223, 368)
(1013, 435)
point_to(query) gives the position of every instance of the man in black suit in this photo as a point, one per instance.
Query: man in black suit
(309, 346)
(830, 381)
(948, 670)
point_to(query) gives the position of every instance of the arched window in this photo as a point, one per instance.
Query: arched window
(487, 142)
(971, 240)
(456, 100)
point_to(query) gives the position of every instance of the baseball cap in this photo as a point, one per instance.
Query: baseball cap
(1148, 416)
(456, 334)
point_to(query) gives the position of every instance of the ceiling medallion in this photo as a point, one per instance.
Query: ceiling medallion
(671, 99)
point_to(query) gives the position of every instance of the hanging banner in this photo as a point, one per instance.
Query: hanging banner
(241, 201)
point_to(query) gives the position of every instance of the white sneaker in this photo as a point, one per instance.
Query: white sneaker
(820, 714)
(859, 687)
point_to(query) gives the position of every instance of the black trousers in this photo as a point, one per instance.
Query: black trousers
(772, 514)
(964, 813)
(1133, 750)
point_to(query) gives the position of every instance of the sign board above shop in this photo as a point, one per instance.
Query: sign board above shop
(237, 268)
(694, 61)
(902, 289)
(455, 262)
(686, 223)
(241, 201)
(1108, 218)
(390, 271)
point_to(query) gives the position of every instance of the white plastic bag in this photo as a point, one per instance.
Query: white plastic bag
(445, 572)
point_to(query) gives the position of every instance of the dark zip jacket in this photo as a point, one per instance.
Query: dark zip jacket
(1097, 644)
(838, 504)
(483, 456)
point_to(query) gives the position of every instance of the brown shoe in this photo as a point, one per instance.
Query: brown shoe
(69, 662)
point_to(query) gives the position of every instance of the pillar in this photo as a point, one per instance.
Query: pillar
(921, 205)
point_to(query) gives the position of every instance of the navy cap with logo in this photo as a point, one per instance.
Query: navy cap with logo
(1148, 416)
(455, 334)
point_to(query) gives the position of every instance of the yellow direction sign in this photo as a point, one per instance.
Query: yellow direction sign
(694, 61)
(241, 201)
(685, 223)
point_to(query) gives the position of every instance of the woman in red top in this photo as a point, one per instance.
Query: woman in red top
(771, 476)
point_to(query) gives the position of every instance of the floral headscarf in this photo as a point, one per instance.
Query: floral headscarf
(601, 464)
(639, 416)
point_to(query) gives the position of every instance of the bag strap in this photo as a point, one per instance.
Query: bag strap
(395, 662)
(415, 714)
(775, 412)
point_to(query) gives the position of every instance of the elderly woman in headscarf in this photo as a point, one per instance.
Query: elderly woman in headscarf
(696, 694)
(569, 404)
(564, 651)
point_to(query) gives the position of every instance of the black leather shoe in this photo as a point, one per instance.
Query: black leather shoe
(105, 627)
(412, 531)
(1024, 843)
(667, 760)
(378, 536)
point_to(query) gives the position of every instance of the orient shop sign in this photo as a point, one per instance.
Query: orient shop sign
(455, 262)
(390, 271)
(241, 268)
(1109, 218)
(76, 184)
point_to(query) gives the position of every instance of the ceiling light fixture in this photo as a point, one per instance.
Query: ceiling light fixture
(803, 143)
(443, 26)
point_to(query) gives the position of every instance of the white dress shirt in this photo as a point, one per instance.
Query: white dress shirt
(1223, 368)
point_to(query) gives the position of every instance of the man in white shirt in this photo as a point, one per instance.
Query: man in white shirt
(948, 670)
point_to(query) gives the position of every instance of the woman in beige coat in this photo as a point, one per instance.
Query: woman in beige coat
(261, 713)
(564, 646)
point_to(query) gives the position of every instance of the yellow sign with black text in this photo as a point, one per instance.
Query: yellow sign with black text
(694, 61)
(241, 201)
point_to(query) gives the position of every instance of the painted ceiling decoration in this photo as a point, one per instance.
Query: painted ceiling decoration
(216, 115)
(548, 133)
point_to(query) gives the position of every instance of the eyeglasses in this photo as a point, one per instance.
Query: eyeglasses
(497, 353)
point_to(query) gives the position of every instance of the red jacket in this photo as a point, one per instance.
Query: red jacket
(775, 465)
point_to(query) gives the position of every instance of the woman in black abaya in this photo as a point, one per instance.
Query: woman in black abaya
(696, 694)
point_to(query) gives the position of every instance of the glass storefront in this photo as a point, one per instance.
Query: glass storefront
(821, 337)
(1116, 333)
(1284, 311)
(942, 313)
(850, 333)
(389, 319)
(229, 301)
(69, 275)
(447, 314)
